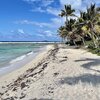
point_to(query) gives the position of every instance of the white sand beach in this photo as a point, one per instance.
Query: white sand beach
(58, 73)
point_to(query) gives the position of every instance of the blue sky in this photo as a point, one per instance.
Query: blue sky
(34, 20)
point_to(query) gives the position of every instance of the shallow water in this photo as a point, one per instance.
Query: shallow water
(12, 52)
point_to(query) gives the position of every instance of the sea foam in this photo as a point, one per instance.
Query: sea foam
(20, 57)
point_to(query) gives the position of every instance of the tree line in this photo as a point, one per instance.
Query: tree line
(84, 27)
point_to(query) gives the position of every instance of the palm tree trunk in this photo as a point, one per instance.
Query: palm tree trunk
(83, 41)
(66, 20)
(94, 37)
(74, 43)
(95, 42)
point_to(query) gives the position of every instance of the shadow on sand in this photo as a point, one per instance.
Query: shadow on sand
(87, 78)
(91, 63)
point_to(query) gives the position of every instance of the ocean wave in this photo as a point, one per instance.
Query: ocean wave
(29, 53)
(21, 57)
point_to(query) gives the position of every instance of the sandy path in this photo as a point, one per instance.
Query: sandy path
(56, 74)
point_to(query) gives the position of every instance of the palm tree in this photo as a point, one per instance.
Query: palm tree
(87, 21)
(87, 24)
(62, 32)
(68, 11)
(68, 30)
(65, 31)
(92, 18)
(79, 33)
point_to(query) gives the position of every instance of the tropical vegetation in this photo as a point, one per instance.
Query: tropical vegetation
(84, 28)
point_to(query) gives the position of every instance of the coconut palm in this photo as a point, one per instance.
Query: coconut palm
(62, 32)
(79, 33)
(70, 28)
(65, 31)
(88, 24)
(87, 21)
(68, 11)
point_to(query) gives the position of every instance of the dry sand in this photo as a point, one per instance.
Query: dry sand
(58, 73)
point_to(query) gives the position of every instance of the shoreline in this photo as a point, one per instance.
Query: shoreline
(53, 75)
(20, 61)
(33, 60)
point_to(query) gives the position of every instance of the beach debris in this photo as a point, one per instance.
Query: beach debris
(10, 98)
(1, 94)
(65, 57)
(50, 90)
(63, 60)
(3, 87)
(7, 94)
(23, 85)
(55, 74)
(22, 95)
(28, 81)
(27, 78)
(44, 65)
(14, 89)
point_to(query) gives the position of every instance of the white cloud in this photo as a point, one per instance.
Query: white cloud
(49, 10)
(53, 11)
(86, 2)
(75, 3)
(43, 6)
(12, 31)
(21, 31)
(72, 2)
(47, 2)
(40, 35)
(38, 10)
(42, 2)
(33, 23)
(31, 0)
(46, 33)
(55, 23)
(79, 4)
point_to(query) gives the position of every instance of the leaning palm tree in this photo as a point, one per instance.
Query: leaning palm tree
(92, 19)
(66, 12)
(79, 33)
(88, 21)
(88, 24)
(70, 28)
(62, 32)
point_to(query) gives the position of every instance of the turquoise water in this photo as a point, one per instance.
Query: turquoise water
(10, 51)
